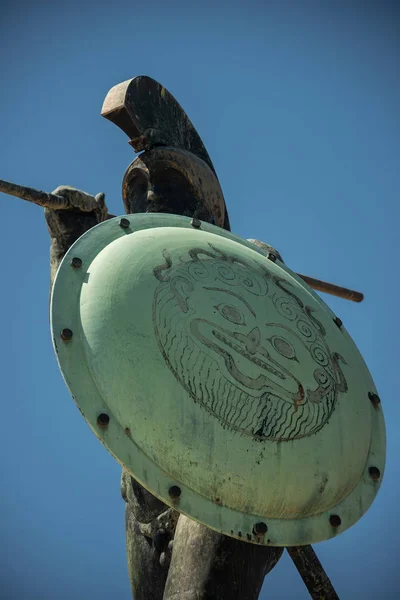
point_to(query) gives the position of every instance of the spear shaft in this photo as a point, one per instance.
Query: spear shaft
(44, 199)
(55, 202)
(312, 573)
(332, 289)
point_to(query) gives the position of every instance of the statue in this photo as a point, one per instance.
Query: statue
(171, 556)
(174, 174)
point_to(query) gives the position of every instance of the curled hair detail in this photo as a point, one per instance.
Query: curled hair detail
(158, 271)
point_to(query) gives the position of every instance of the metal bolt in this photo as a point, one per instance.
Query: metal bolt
(374, 473)
(76, 262)
(335, 521)
(272, 257)
(103, 420)
(66, 335)
(174, 492)
(196, 223)
(124, 223)
(374, 399)
(338, 322)
(260, 528)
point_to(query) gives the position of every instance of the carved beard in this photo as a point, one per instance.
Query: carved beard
(236, 367)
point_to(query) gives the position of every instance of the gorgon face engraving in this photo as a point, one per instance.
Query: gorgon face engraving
(244, 346)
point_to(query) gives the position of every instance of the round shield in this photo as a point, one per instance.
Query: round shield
(218, 379)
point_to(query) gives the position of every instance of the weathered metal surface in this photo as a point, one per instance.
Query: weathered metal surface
(175, 181)
(334, 290)
(29, 194)
(315, 284)
(199, 555)
(141, 190)
(175, 173)
(59, 201)
(150, 116)
(312, 573)
(161, 121)
(222, 374)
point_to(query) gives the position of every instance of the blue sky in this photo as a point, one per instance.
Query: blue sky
(298, 106)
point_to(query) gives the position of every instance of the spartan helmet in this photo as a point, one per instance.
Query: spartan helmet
(174, 173)
(173, 180)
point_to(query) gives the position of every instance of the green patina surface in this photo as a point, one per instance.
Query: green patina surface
(223, 374)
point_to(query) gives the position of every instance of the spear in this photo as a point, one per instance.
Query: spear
(55, 202)
(44, 199)
(312, 573)
(332, 289)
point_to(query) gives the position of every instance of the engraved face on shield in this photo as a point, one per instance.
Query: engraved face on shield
(244, 345)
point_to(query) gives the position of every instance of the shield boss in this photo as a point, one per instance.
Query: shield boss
(219, 379)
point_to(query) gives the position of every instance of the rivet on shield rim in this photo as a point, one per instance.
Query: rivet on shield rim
(174, 492)
(375, 400)
(76, 262)
(374, 473)
(66, 335)
(338, 322)
(124, 223)
(260, 528)
(272, 257)
(335, 521)
(196, 223)
(103, 420)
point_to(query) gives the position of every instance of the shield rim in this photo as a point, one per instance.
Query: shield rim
(64, 313)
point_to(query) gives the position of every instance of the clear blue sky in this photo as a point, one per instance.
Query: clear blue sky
(298, 106)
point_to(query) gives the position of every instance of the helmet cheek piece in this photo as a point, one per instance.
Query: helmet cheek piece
(174, 181)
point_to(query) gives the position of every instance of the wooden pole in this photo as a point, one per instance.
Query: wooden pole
(334, 290)
(36, 196)
(44, 199)
(312, 573)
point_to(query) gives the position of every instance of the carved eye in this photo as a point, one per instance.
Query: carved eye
(284, 347)
(231, 313)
